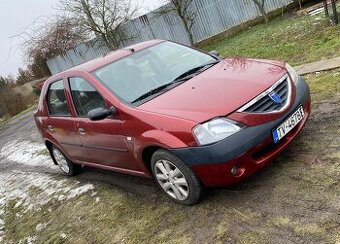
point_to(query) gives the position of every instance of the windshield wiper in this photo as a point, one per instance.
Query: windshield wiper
(181, 78)
(194, 70)
(151, 92)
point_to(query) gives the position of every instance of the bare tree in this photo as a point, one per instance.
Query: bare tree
(261, 8)
(45, 40)
(102, 18)
(185, 11)
(24, 76)
(2, 82)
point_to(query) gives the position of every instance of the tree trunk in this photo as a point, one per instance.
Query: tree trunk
(188, 31)
(107, 42)
(335, 13)
(264, 15)
(260, 6)
(325, 6)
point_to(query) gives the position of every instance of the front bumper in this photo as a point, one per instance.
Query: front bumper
(248, 150)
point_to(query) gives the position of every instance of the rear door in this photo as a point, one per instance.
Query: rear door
(60, 124)
(105, 142)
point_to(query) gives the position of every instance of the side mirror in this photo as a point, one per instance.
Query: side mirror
(215, 53)
(101, 113)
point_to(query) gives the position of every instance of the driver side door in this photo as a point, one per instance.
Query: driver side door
(104, 141)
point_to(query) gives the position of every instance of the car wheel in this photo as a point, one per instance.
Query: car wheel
(175, 178)
(64, 163)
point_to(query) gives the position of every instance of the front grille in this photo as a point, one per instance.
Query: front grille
(264, 104)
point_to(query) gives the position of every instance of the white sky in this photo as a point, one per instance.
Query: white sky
(17, 16)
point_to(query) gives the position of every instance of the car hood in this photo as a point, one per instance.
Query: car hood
(218, 91)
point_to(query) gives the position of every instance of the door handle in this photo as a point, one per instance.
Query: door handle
(81, 131)
(50, 128)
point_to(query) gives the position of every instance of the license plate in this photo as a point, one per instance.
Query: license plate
(288, 125)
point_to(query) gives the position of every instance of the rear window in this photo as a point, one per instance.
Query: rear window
(56, 100)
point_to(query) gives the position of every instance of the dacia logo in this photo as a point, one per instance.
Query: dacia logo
(275, 97)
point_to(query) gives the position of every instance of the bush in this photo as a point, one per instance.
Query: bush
(36, 90)
(13, 103)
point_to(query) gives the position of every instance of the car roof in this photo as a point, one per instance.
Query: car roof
(113, 56)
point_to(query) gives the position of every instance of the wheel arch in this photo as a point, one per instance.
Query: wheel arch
(147, 155)
(151, 141)
(49, 145)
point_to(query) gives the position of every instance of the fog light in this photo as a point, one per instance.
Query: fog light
(234, 170)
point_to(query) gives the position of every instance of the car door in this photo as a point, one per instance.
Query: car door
(61, 127)
(105, 142)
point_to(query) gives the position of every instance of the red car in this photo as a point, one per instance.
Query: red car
(159, 109)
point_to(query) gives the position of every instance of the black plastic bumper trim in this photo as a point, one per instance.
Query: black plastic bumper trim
(242, 141)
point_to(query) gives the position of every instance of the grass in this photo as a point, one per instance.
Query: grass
(292, 200)
(296, 40)
(3, 121)
(278, 205)
(117, 217)
(324, 85)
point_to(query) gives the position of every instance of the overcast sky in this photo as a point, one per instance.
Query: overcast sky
(17, 16)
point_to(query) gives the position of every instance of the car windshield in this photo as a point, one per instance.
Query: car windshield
(143, 73)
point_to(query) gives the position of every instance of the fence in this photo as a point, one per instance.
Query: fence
(213, 17)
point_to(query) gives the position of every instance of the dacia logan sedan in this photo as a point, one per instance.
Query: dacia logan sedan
(186, 118)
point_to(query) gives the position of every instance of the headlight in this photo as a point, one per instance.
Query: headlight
(215, 130)
(293, 74)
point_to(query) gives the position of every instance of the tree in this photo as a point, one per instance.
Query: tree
(2, 104)
(8, 81)
(50, 39)
(335, 17)
(24, 76)
(335, 12)
(102, 18)
(184, 10)
(261, 8)
(2, 82)
(326, 8)
(46, 40)
(300, 3)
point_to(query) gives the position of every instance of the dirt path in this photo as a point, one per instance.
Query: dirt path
(296, 199)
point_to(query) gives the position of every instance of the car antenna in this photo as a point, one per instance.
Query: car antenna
(130, 49)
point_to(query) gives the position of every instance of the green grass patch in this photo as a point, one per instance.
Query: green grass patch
(324, 85)
(297, 40)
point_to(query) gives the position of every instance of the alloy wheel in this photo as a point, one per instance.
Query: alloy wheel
(171, 179)
(61, 161)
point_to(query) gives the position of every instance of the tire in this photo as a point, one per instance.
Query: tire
(175, 179)
(64, 163)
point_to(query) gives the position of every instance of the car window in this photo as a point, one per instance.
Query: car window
(56, 100)
(178, 58)
(143, 71)
(85, 97)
